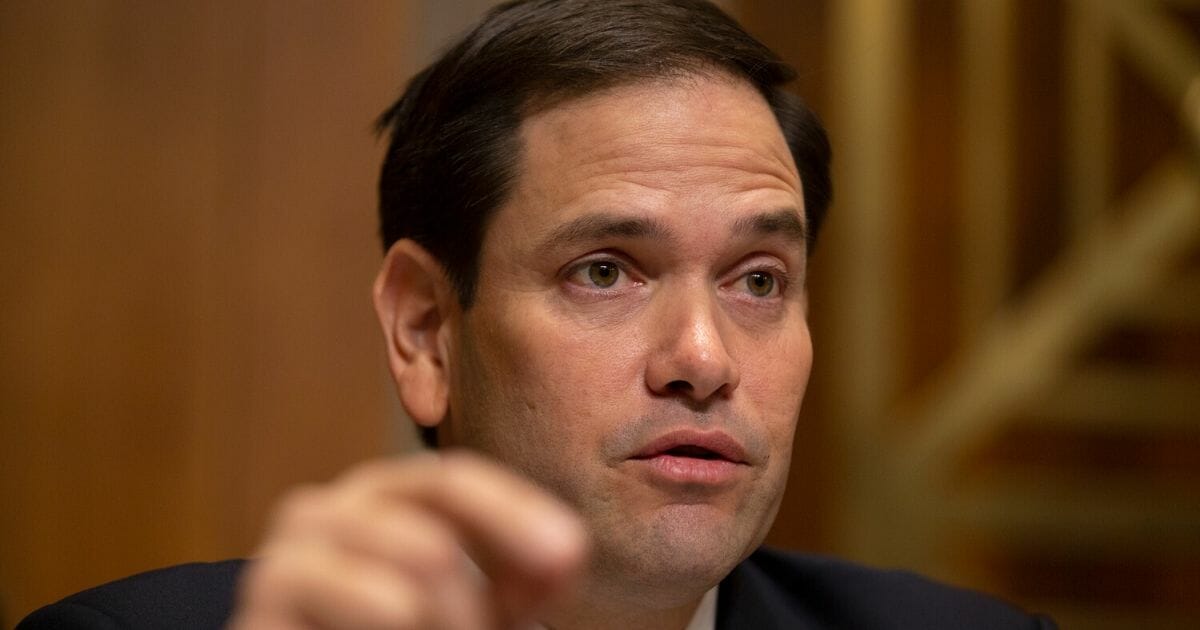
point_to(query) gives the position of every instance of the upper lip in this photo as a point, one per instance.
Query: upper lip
(718, 442)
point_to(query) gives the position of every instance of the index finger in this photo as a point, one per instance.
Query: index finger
(525, 539)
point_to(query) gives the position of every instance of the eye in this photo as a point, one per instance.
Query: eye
(760, 283)
(603, 273)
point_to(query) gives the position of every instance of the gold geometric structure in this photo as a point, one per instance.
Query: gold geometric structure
(1125, 262)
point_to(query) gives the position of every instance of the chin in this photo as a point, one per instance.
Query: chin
(676, 556)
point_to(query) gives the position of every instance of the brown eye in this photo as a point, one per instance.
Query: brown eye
(603, 274)
(760, 283)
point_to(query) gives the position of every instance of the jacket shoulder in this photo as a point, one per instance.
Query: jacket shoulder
(190, 596)
(776, 589)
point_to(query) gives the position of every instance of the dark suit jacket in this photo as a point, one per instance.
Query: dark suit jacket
(771, 589)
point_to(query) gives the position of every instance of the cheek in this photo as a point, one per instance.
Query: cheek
(776, 378)
(577, 360)
(558, 383)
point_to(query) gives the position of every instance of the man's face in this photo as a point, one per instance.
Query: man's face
(638, 343)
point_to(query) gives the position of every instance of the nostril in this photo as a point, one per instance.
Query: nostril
(680, 386)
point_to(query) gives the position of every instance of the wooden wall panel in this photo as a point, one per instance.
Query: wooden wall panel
(188, 243)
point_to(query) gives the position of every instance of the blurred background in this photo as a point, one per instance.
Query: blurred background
(1006, 304)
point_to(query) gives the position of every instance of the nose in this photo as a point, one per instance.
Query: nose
(691, 358)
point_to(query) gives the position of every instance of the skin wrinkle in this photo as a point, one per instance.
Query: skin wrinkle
(609, 225)
(679, 143)
(723, 157)
(558, 378)
(725, 171)
(669, 133)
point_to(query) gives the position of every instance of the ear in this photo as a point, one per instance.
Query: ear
(414, 302)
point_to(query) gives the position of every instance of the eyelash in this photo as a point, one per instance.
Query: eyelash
(781, 278)
(582, 266)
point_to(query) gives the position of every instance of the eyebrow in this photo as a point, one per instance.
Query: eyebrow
(785, 222)
(593, 227)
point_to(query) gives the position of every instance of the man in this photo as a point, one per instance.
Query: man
(597, 217)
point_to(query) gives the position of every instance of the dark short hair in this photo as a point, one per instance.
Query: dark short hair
(454, 149)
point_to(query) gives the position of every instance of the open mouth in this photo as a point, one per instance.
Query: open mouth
(693, 445)
(692, 459)
(692, 451)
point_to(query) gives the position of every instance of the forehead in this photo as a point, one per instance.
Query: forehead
(664, 119)
(675, 143)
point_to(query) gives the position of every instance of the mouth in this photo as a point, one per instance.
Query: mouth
(691, 450)
(691, 444)
(692, 458)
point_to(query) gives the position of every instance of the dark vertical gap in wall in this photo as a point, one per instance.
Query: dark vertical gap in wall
(928, 319)
(1039, 201)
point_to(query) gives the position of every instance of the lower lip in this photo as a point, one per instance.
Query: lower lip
(690, 470)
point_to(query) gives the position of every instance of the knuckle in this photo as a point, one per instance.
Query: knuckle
(302, 503)
(369, 472)
(459, 461)
(440, 555)
(458, 470)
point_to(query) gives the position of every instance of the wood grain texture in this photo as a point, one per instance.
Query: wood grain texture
(189, 240)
